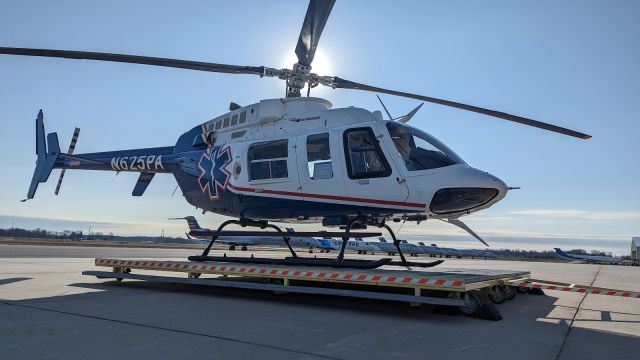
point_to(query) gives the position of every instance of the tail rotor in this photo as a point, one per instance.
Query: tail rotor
(72, 147)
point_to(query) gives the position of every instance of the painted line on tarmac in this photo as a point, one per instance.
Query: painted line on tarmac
(573, 319)
(274, 347)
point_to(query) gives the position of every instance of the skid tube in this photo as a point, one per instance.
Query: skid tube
(295, 260)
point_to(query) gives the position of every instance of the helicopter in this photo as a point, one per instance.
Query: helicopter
(296, 159)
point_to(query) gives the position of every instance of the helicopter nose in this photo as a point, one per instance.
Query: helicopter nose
(477, 189)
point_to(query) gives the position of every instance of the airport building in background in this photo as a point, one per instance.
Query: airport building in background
(635, 244)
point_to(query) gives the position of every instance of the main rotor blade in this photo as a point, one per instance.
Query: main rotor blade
(346, 84)
(317, 16)
(135, 59)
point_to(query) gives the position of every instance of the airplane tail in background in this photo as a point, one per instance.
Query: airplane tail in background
(193, 223)
(565, 255)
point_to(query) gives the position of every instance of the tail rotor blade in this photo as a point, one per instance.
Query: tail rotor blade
(74, 140)
(72, 148)
(60, 181)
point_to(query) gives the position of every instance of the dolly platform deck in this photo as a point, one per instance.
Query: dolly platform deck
(469, 290)
(460, 280)
(473, 291)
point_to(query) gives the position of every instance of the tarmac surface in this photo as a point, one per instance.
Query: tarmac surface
(49, 310)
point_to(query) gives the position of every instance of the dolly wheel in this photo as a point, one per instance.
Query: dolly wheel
(118, 279)
(472, 303)
(510, 292)
(244, 248)
(522, 290)
(232, 247)
(497, 294)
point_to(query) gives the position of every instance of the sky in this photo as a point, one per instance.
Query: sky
(571, 63)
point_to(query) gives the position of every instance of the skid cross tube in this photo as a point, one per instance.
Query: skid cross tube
(250, 223)
(396, 242)
(346, 237)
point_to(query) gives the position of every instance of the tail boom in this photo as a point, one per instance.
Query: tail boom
(49, 157)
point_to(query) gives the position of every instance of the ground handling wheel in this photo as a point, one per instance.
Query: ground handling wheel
(480, 306)
(497, 294)
(472, 303)
(510, 292)
(244, 248)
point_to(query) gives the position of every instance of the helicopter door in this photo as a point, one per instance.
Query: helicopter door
(370, 179)
(273, 173)
(320, 174)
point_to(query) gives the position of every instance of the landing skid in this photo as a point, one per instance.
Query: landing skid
(416, 264)
(295, 260)
(298, 261)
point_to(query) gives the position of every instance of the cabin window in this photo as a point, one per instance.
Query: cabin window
(268, 160)
(364, 156)
(218, 124)
(234, 120)
(319, 157)
(226, 122)
(243, 117)
(419, 150)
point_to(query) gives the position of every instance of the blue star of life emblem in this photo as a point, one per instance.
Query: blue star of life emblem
(214, 176)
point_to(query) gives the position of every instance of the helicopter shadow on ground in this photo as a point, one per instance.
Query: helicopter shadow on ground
(13, 280)
(318, 323)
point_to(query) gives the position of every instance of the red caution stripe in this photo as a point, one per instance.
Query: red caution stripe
(581, 289)
(318, 275)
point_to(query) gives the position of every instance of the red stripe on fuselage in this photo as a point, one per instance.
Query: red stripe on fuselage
(329, 197)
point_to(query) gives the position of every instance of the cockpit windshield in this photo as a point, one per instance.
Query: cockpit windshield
(419, 150)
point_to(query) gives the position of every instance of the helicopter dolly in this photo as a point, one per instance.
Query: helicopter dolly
(295, 159)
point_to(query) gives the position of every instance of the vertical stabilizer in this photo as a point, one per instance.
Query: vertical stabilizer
(47, 152)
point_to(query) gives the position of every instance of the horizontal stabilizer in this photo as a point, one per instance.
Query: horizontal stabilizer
(142, 184)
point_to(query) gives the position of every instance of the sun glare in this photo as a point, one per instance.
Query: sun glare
(320, 65)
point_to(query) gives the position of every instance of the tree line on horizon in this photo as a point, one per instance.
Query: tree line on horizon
(98, 236)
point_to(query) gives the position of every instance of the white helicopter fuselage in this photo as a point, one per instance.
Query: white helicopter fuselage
(296, 159)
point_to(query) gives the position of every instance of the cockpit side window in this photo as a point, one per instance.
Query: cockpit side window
(364, 156)
(419, 150)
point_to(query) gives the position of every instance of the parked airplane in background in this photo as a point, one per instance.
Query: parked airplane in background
(434, 251)
(202, 233)
(590, 259)
(391, 249)
(361, 246)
